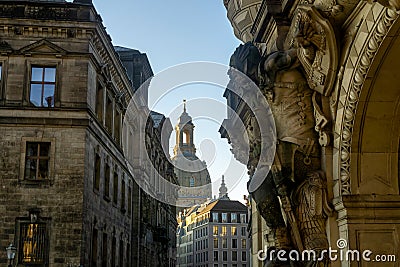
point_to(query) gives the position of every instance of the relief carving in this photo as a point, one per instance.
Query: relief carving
(293, 80)
(393, 4)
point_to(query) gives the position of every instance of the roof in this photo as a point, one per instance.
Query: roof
(125, 49)
(224, 205)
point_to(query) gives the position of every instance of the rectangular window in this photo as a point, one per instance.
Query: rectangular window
(233, 231)
(34, 244)
(215, 230)
(234, 255)
(244, 256)
(113, 251)
(100, 102)
(129, 201)
(104, 251)
(224, 243)
(109, 114)
(1, 76)
(224, 217)
(123, 196)
(243, 218)
(94, 247)
(115, 186)
(96, 176)
(37, 160)
(233, 217)
(121, 253)
(107, 182)
(215, 242)
(243, 230)
(117, 126)
(234, 243)
(128, 253)
(215, 217)
(128, 258)
(244, 243)
(215, 255)
(224, 231)
(42, 87)
(225, 255)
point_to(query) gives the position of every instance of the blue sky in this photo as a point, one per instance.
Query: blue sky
(174, 32)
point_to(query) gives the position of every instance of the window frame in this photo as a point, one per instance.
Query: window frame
(43, 65)
(224, 217)
(3, 79)
(33, 218)
(116, 186)
(37, 182)
(243, 215)
(215, 215)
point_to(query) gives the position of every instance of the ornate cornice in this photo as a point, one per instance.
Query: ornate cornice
(45, 11)
(352, 95)
(45, 31)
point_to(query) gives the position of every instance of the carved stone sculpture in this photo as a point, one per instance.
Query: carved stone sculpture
(291, 80)
(393, 4)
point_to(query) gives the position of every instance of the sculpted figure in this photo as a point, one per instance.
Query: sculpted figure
(295, 179)
(394, 4)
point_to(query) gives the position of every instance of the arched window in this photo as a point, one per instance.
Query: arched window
(186, 137)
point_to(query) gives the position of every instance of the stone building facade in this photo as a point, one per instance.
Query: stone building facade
(352, 67)
(67, 196)
(192, 173)
(214, 234)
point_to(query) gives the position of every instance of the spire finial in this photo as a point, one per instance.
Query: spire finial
(184, 105)
(223, 190)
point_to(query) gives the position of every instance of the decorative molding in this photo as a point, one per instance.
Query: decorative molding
(365, 60)
(37, 48)
(45, 12)
(392, 4)
(45, 32)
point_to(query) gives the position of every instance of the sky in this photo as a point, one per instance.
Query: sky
(175, 32)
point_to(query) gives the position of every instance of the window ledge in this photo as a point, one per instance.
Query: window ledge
(36, 183)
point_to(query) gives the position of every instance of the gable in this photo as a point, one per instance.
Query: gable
(43, 47)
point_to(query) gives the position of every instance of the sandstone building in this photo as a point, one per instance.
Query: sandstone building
(342, 62)
(67, 196)
(192, 173)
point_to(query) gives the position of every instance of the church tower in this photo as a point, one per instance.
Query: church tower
(192, 173)
(223, 190)
(184, 135)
